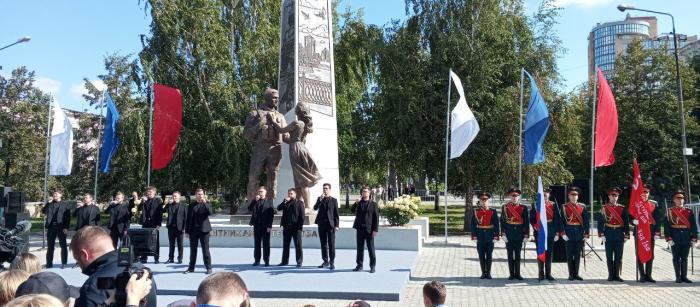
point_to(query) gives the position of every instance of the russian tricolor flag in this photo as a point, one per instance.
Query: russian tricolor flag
(541, 222)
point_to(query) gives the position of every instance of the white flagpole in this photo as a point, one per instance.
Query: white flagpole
(520, 160)
(447, 143)
(590, 185)
(150, 135)
(100, 128)
(46, 171)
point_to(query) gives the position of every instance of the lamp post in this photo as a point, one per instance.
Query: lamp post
(679, 91)
(19, 41)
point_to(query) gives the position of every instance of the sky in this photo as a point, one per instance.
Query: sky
(69, 39)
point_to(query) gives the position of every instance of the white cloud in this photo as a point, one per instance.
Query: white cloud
(581, 3)
(77, 91)
(48, 85)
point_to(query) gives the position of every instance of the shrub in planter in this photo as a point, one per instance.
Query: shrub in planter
(401, 210)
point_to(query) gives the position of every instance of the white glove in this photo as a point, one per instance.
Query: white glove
(635, 222)
(566, 238)
(602, 241)
(657, 237)
(505, 239)
(494, 240)
(671, 243)
(556, 238)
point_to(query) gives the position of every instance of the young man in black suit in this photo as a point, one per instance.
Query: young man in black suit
(176, 222)
(292, 225)
(87, 213)
(198, 228)
(57, 222)
(151, 216)
(119, 218)
(367, 226)
(328, 222)
(263, 212)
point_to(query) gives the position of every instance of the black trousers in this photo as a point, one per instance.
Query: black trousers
(613, 255)
(261, 239)
(197, 238)
(545, 268)
(646, 268)
(680, 258)
(327, 236)
(144, 258)
(362, 238)
(51, 233)
(175, 236)
(573, 256)
(485, 251)
(287, 237)
(116, 235)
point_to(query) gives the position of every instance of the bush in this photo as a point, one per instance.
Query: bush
(401, 210)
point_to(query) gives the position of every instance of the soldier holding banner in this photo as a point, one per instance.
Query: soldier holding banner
(681, 233)
(514, 229)
(576, 231)
(654, 216)
(613, 229)
(485, 230)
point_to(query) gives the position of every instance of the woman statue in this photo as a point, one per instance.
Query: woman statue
(304, 169)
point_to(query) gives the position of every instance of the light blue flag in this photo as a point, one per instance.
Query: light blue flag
(536, 125)
(110, 138)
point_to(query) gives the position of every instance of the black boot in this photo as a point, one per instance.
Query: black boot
(488, 269)
(618, 268)
(540, 270)
(650, 266)
(516, 267)
(511, 269)
(677, 270)
(640, 270)
(611, 276)
(684, 271)
(577, 266)
(548, 271)
(570, 265)
(482, 264)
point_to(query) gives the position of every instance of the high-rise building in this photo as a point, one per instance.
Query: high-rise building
(610, 39)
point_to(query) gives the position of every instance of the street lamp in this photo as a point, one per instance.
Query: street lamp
(19, 41)
(679, 90)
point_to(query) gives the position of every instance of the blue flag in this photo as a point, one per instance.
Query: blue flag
(536, 125)
(110, 139)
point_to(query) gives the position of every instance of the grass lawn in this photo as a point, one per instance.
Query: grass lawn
(455, 219)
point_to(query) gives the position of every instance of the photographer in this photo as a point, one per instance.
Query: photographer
(93, 251)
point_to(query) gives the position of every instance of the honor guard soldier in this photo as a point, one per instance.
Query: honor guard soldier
(485, 230)
(613, 229)
(554, 227)
(575, 231)
(681, 233)
(515, 229)
(655, 217)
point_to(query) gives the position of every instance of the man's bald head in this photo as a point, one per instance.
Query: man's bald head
(90, 243)
(225, 289)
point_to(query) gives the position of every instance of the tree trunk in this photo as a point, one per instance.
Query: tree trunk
(437, 198)
(468, 207)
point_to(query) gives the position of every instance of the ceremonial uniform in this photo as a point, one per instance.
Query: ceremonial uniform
(613, 227)
(514, 229)
(655, 217)
(57, 222)
(576, 229)
(681, 229)
(119, 218)
(554, 228)
(263, 213)
(485, 230)
(176, 222)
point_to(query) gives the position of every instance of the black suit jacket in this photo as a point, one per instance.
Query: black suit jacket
(329, 206)
(119, 217)
(263, 213)
(87, 215)
(292, 214)
(366, 216)
(57, 213)
(151, 213)
(177, 216)
(198, 217)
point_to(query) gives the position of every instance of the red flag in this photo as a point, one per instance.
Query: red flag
(167, 122)
(639, 211)
(606, 124)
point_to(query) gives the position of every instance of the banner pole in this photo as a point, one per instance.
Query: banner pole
(447, 143)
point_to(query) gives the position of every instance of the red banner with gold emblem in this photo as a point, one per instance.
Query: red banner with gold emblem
(640, 212)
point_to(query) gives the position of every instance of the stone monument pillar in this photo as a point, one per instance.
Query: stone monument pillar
(306, 75)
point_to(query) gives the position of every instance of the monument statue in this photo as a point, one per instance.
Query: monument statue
(267, 151)
(304, 170)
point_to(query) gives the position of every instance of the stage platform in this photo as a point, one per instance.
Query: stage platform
(388, 283)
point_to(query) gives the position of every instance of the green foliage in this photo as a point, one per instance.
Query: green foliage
(401, 210)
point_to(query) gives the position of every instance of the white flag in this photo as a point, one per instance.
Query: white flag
(61, 158)
(464, 127)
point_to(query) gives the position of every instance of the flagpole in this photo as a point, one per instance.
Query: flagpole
(150, 136)
(590, 184)
(46, 172)
(447, 142)
(99, 138)
(520, 152)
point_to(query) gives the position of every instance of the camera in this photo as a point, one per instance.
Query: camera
(125, 259)
(11, 244)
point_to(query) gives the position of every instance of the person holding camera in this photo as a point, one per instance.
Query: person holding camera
(119, 218)
(198, 228)
(87, 213)
(263, 213)
(93, 251)
(151, 216)
(57, 220)
(327, 220)
(292, 225)
(177, 216)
